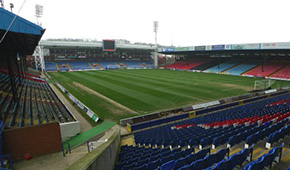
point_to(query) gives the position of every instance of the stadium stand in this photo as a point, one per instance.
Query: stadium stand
(242, 68)
(109, 65)
(80, 65)
(283, 73)
(96, 65)
(89, 65)
(187, 64)
(148, 64)
(63, 66)
(224, 66)
(206, 65)
(38, 104)
(167, 144)
(274, 155)
(50, 66)
(234, 161)
(277, 135)
(192, 64)
(133, 65)
(177, 64)
(265, 70)
(122, 65)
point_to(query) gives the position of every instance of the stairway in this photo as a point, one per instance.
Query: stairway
(57, 67)
(91, 66)
(69, 66)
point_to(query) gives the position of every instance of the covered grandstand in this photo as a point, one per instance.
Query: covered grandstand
(77, 56)
(269, 60)
(33, 119)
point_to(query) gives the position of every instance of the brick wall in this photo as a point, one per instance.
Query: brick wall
(35, 140)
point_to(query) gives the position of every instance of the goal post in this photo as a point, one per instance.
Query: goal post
(263, 84)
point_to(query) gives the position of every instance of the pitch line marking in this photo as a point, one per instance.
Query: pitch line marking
(104, 97)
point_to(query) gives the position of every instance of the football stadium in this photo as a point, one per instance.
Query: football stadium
(116, 105)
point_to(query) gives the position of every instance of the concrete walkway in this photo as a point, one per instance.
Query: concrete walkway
(56, 161)
(85, 126)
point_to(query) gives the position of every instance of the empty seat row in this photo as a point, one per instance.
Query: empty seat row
(277, 135)
(274, 155)
(235, 161)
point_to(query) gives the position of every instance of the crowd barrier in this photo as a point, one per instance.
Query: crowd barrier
(240, 101)
(83, 107)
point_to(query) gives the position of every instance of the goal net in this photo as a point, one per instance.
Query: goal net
(263, 84)
(111, 67)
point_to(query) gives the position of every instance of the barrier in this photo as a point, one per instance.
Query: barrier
(69, 130)
(147, 124)
(83, 107)
(35, 140)
(103, 157)
(192, 114)
(89, 112)
(129, 127)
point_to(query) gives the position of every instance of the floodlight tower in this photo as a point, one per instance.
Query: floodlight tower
(38, 53)
(155, 26)
(11, 7)
(39, 58)
(2, 3)
(38, 13)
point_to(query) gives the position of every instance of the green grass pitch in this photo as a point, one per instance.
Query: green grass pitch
(146, 91)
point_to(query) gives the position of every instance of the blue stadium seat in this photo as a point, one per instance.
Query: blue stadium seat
(179, 163)
(168, 158)
(177, 155)
(254, 166)
(221, 154)
(236, 159)
(192, 158)
(203, 153)
(186, 167)
(199, 164)
(154, 157)
(142, 162)
(128, 166)
(183, 143)
(168, 165)
(224, 165)
(211, 159)
(187, 152)
(140, 167)
(153, 165)
(165, 154)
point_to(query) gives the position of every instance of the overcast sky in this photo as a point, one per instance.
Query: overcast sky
(181, 22)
